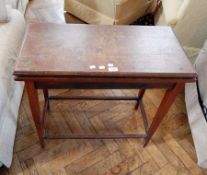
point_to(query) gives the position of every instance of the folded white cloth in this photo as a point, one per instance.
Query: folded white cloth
(22, 5)
(11, 36)
(196, 117)
(4, 12)
(12, 3)
(201, 68)
(174, 10)
(171, 9)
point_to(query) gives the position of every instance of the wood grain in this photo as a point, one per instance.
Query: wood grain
(138, 51)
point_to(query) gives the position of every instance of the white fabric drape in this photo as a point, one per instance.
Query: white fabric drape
(11, 36)
(196, 118)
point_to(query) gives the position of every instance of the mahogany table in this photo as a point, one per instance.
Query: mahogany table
(56, 56)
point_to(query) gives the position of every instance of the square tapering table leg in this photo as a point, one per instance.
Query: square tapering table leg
(46, 95)
(35, 109)
(165, 104)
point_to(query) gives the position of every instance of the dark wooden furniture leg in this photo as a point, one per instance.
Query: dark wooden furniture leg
(35, 109)
(45, 92)
(166, 102)
(46, 95)
(140, 95)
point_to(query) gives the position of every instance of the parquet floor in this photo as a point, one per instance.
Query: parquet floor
(170, 152)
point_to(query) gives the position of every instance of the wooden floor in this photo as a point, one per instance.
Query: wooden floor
(171, 151)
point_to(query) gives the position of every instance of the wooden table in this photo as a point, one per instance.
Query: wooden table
(56, 56)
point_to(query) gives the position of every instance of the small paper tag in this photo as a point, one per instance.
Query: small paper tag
(101, 67)
(113, 69)
(92, 66)
(110, 65)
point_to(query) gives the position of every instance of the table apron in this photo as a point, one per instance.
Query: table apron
(83, 85)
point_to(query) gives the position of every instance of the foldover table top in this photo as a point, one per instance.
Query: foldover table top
(61, 50)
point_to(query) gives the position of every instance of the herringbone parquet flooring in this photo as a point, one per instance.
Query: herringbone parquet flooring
(171, 151)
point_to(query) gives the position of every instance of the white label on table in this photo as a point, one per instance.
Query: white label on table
(92, 66)
(113, 69)
(101, 67)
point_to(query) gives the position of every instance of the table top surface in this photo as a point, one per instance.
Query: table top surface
(84, 50)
